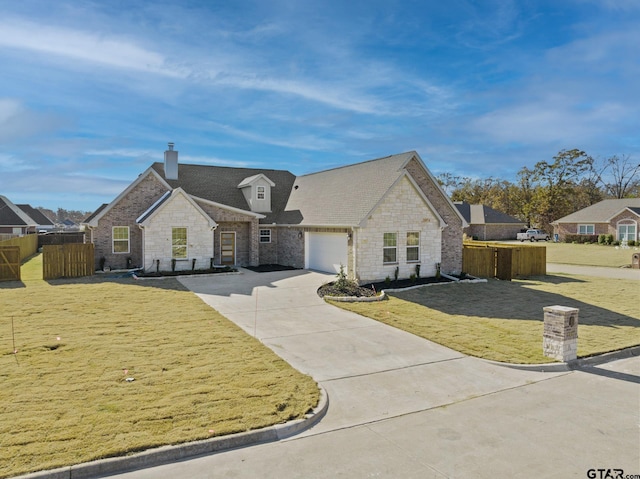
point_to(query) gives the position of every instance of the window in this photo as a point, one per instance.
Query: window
(389, 248)
(626, 232)
(179, 243)
(260, 192)
(413, 246)
(265, 236)
(586, 229)
(120, 235)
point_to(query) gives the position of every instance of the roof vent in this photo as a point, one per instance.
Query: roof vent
(170, 146)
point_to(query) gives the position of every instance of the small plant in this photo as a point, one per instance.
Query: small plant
(438, 270)
(342, 283)
(609, 239)
(602, 239)
(412, 277)
(417, 271)
(616, 243)
(387, 281)
(631, 242)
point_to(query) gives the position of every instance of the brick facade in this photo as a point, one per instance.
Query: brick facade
(124, 213)
(452, 234)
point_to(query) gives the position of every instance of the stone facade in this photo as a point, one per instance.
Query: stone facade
(124, 213)
(178, 212)
(564, 229)
(402, 211)
(451, 239)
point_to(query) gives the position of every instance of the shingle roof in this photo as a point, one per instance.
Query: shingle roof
(343, 196)
(36, 215)
(96, 212)
(220, 184)
(482, 214)
(11, 215)
(600, 212)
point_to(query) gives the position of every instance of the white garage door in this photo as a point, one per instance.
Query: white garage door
(326, 251)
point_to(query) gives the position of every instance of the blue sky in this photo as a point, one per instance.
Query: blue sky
(92, 91)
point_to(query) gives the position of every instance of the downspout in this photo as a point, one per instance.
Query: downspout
(355, 251)
(144, 266)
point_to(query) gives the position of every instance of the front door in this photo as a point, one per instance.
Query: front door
(228, 248)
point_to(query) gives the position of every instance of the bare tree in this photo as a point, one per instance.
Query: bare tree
(623, 175)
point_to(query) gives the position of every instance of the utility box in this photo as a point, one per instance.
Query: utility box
(635, 260)
(560, 337)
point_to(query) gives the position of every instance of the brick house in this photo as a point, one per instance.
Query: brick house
(616, 217)
(370, 217)
(485, 223)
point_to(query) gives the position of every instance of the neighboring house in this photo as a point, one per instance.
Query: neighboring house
(69, 225)
(13, 220)
(488, 224)
(619, 218)
(370, 217)
(44, 224)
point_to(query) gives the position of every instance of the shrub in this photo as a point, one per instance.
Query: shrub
(609, 239)
(616, 243)
(631, 242)
(602, 239)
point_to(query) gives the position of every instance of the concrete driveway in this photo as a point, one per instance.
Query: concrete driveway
(401, 406)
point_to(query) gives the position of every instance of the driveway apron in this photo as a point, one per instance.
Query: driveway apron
(370, 371)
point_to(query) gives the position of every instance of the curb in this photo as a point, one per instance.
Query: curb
(576, 364)
(168, 454)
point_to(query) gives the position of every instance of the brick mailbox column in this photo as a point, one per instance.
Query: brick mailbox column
(560, 338)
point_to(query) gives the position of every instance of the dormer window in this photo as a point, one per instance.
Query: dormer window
(257, 190)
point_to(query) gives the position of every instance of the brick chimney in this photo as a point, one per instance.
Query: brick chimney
(171, 163)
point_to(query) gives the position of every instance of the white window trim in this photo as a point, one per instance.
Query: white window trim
(413, 246)
(113, 240)
(186, 245)
(586, 226)
(627, 223)
(263, 190)
(260, 235)
(390, 247)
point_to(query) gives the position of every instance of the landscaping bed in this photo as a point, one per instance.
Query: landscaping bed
(351, 289)
(159, 274)
(270, 268)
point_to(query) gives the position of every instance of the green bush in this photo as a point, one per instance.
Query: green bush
(609, 239)
(631, 242)
(581, 239)
(602, 239)
(616, 243)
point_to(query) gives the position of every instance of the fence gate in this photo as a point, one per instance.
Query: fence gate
(9, 263)
(504, 257)
(67, 260)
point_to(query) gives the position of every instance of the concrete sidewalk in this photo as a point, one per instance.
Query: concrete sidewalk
(401, 406)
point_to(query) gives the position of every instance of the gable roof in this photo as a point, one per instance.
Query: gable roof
(251, 179)
(11, 215)
(219, 184)
(344, 196)
(600, 212)
(484, 215)
(36, 215)
(165, 200)
(95, 213)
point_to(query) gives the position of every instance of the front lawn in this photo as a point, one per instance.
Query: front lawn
(588, 254)
(503, 320)
(65, 397)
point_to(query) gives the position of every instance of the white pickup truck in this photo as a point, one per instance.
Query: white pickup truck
(533, 235)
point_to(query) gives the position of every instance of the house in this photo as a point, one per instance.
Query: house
(617, 217)
(370, 217)
(485, 223)
(44, 224)
(13, 220)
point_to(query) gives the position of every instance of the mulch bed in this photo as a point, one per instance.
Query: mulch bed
(371, 289)
(161, 274)
(270, 268)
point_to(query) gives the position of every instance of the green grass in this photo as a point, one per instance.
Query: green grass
(588, 254)
(65, 399)
(503, 321)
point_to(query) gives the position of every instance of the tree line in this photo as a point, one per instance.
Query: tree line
(550, 190)
(62, 214)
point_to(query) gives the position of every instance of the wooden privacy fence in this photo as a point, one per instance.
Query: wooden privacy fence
(10, 263)
(28, 245)
(504, 262)
(67, 260)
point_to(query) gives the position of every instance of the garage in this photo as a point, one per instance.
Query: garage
(326, 251)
